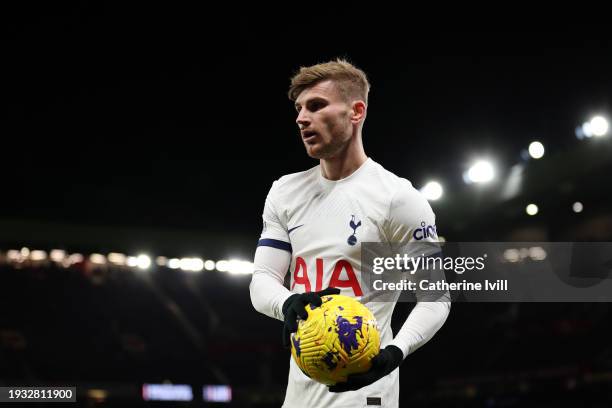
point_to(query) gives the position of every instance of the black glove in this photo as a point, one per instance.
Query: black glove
(295, 306)
(387, 360)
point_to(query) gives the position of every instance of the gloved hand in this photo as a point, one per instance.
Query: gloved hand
(295, 306)
(387, 360)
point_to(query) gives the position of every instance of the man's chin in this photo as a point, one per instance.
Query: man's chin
(314, 155)
(319, 155)
(315, 152)
(321, 152)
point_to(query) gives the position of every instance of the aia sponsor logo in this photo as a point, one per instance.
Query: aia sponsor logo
(300, 276)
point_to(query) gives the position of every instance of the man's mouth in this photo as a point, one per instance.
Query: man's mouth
(308, 135)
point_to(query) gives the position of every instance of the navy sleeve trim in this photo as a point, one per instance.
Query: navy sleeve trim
(275, 243)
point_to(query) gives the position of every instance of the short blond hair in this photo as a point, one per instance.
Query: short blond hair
(350, 80)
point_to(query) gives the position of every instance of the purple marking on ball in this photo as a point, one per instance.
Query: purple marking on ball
(328, 359)
(340, 307)
(347, 333)
(296, 345)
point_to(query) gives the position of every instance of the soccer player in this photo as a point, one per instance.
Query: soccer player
(313, 225)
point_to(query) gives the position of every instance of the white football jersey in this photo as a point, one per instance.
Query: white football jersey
(322, 224)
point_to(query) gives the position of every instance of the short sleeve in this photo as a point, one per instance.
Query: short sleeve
(411, 218)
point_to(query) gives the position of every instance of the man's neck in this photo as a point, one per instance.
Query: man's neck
(344, 164)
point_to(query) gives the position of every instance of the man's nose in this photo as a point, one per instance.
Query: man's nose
(302, 119)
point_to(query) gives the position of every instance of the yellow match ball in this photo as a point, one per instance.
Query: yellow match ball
(339, 338)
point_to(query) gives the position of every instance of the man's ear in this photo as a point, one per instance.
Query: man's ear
(359, 111)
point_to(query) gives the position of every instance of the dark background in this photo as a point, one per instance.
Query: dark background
(161, 130)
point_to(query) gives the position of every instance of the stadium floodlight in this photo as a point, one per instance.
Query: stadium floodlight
(579, 133)
(531, 209)
(57, 255)
(238, 267)
(512, 255)
(599, 126)
(117, 258)
(197, 264)
(72, 259)
(38, 255)
(536, 150)
(191, 264)
(537, 253)
(209, 265)
(97, 259)
(75, 258)
(185, 264)
(161, 261)
(480, 172)
(143, 261)
(222, 265)
(577, 207)
(586, 129)
(13, 255)
(432, 191)
(174, 263)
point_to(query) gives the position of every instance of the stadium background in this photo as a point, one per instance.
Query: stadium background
(138, 150)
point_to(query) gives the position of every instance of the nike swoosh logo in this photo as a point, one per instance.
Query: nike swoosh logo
(294, 228)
